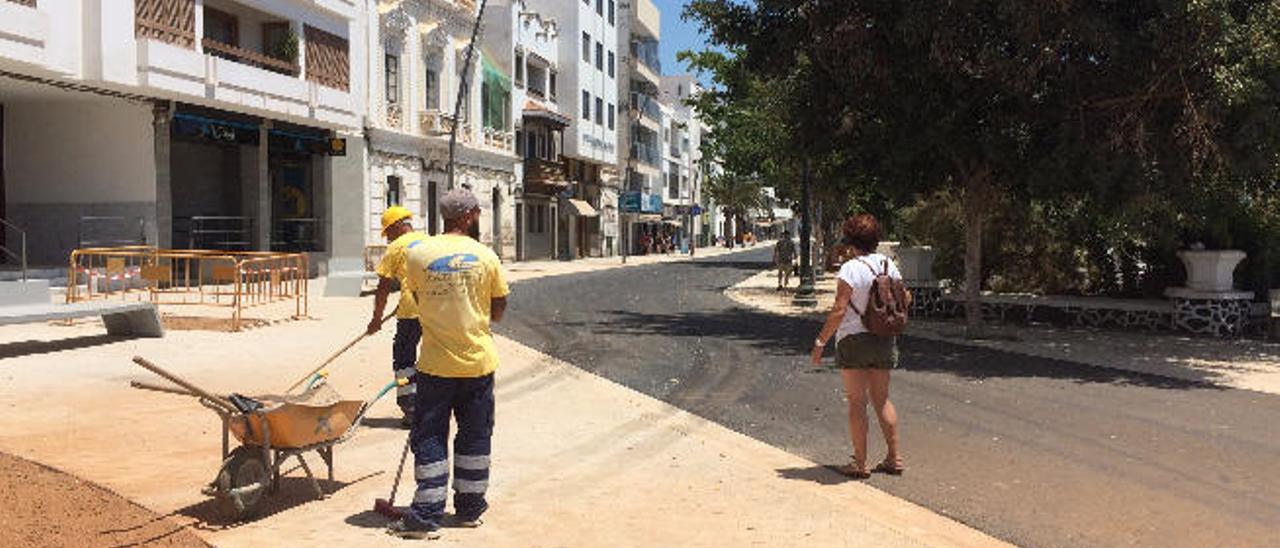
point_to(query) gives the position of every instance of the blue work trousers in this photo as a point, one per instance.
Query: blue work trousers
(470, 402)
(404, 358)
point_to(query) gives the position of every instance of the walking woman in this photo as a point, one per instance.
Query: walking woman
(864, 359)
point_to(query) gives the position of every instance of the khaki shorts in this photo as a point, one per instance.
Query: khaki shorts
(867, 351)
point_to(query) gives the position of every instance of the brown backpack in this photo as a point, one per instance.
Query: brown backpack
(887, 304)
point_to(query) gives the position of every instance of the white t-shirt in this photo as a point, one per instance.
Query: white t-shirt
(858, 275)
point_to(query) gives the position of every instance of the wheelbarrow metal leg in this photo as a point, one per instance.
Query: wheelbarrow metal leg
(314, 484)
(326, 454)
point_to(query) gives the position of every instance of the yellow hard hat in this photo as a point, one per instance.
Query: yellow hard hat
(393, 215)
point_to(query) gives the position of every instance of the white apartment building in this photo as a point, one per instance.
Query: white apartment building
(587, 88)
(528, 43)
(202, 123)
(418, 56)
(641, 135)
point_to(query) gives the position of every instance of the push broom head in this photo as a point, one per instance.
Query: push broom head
(385, 508)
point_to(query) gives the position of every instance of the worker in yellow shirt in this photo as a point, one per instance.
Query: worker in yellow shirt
(460, 289)
(397, 228)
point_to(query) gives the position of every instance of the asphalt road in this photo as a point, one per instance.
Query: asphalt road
(1034, 451)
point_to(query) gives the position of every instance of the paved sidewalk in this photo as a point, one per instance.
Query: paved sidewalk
(1246, 363)
(578, 460)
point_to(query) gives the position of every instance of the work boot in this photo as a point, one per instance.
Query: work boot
(401, 528)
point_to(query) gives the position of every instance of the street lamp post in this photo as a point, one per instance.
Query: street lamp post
(804, 293)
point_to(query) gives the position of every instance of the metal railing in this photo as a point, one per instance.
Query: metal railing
(646, 154)
(237, 280)
(297, 235)
(220, 232)
(111, 231)
(647, 105)
(21, 254)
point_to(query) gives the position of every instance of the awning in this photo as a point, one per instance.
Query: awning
(672, 222)
(534, 111)
(582, 208)
(649, 218)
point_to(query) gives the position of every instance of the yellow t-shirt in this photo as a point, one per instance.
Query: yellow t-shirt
(392, 266)
(453, 278)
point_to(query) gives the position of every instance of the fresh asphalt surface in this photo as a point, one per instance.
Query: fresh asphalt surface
(1034, 451)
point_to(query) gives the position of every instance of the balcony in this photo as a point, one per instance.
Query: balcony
(434, 123)
(24, 32)
(498, 139)
(648, 21)
(646, 154)
(259, 70)
(648, 109)
(544, 176)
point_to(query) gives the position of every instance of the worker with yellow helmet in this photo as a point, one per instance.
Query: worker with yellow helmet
(398, 230)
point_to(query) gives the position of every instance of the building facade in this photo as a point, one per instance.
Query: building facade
(192, 123)
(586, 88)
(641, 155)
(417, 67)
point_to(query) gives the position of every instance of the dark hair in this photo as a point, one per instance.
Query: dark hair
(862, 231)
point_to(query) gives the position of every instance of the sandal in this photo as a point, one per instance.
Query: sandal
(892, 467)
(853, 470)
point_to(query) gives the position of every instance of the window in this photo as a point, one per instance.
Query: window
(612, 114)
(673, 180)
(519, 76)
(599, 56)
(586, 47)
(519, 143)
(599, 7)
(599, 111)
(610, 12)
(586, 105)
(392, 70)
(431, 89)
(221, 27)
(611, 62)
(551, 85)
(393, 190)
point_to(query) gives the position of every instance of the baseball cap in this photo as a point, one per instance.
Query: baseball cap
(457, 202)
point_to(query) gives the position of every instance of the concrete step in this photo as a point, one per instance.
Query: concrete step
(30, 292)
(55, 275)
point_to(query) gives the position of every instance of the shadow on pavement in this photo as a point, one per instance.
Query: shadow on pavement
(31, 347)
(293, 492)
(819, 473)
(793, 337)
(387, 423)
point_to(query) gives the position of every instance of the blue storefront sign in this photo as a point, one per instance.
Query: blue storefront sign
(652, 203)
(629, 202)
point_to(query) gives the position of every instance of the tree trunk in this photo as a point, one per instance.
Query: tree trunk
(976, 199)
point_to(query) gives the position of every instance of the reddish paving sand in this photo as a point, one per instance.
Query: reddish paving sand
(40, 506)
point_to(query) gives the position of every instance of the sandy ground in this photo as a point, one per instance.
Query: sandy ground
(40, 506)
(578, 461)
(1245, 363)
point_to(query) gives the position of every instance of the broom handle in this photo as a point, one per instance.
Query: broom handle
(218, 400)
(338, 353)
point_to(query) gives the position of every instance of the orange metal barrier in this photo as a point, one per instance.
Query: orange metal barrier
(238, 280)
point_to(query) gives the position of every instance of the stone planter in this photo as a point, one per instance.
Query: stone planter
(916, 263)
(1211, 270)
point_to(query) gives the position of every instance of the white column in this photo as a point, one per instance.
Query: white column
(199, 26)
(300, 31)
(410, 61)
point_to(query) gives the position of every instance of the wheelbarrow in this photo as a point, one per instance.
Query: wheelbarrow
(271, 429)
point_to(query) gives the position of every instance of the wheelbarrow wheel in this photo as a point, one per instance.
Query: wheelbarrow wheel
(241, 484)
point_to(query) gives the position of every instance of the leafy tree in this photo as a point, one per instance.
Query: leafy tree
(1105, 101)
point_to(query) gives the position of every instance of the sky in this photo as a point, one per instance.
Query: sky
(677, 36)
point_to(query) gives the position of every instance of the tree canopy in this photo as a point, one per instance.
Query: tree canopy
(1108, 102)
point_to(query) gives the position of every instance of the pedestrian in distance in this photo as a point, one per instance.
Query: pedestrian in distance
(397, 228)
(460, 289)
(784, 255)
(866, 350)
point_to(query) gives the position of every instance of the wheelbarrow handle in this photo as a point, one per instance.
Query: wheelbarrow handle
(218, 400)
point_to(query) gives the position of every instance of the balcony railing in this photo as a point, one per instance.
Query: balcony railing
(538, 170)
(646, 154)
(435, 123)
(27, 3)
(249, 57)
(647, 105)
(499, 139)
